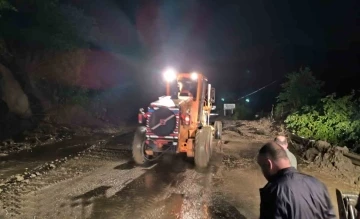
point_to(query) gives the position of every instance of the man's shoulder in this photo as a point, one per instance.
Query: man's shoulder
(296, 179)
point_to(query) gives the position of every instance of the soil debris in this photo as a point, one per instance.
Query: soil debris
(324, 156)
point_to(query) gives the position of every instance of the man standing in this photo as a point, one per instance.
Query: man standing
(281, 140)
(288, 193)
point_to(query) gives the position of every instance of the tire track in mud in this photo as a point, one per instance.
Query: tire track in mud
(147, 196)
(106, 184)
(173, 189)
(74, 198)
(21, 199)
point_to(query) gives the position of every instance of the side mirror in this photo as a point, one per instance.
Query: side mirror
(212, 97)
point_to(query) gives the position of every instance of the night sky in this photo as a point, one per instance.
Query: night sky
(240, 45)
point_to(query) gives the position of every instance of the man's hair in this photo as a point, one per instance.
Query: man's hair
(273, 151)
(280, 142)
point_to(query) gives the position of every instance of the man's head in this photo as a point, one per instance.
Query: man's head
(281, 140)
(272, 158)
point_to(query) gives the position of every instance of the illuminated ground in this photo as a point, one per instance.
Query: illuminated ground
(104, 183)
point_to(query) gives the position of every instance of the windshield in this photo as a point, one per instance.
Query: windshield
(187, 87)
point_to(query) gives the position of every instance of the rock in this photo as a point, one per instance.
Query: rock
(33, 175)
(38, 173)
(52, 166)
(296, 146)
(19, 178)
(13, 94)
(344, 149)
(311, 154)
(322, 145)
(334, 159)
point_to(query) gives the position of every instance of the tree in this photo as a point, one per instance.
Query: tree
(46, 41)
(242, 112)
(300, 89)
(42, 27)
(5, 5)
(334, 119)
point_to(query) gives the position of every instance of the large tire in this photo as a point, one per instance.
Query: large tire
(218, 129)
(202, 147)
(138, 144)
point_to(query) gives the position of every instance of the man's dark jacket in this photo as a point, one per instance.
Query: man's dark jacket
(290, 194)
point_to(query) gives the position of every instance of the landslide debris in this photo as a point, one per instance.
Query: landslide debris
(44, 134)
(331, 158)
(254, 129)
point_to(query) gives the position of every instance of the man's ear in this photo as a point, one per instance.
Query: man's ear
(269, 164)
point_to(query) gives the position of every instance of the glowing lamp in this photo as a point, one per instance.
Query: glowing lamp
(194, 76)
(169, 75)
(187, 120)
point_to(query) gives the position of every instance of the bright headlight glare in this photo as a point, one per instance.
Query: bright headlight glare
(170, 75)
(194, 76)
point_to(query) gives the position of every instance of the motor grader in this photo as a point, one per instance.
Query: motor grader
(346, 204)
(179, 121)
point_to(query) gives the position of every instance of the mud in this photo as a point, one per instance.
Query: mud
(105, 183)
(326, 157)
(29, 159)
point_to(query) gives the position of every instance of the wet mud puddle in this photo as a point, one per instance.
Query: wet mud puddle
(17, 163)
(173, 188)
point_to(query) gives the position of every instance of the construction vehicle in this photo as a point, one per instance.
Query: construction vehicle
(179, 121)
(346, 204)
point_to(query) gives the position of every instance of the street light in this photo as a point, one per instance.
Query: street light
(222, 99)
(247, 100)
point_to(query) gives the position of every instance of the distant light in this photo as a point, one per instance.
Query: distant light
(194, 76)
(170, 74)
(247, 100)
(222, 99)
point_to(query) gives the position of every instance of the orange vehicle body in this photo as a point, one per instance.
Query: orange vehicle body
(172, 122)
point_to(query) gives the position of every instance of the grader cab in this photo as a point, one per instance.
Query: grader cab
(179, 121)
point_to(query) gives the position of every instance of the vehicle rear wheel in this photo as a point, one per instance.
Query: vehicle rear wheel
(218, 129)
(202, 147)
(138, 146)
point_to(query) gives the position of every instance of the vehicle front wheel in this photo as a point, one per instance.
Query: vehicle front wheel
(203, 147)
(138, 146)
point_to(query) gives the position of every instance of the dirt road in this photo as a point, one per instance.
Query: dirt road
(104, 183)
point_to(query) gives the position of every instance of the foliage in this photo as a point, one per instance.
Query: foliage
(335, 120)
(62, 94)
(5, 5)
(242, 112)
(47, 41)
(300, 89)
(78, 96)
(61, 67)
(47, 38)
(46, 24)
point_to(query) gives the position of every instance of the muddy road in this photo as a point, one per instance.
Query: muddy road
(103, 182)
